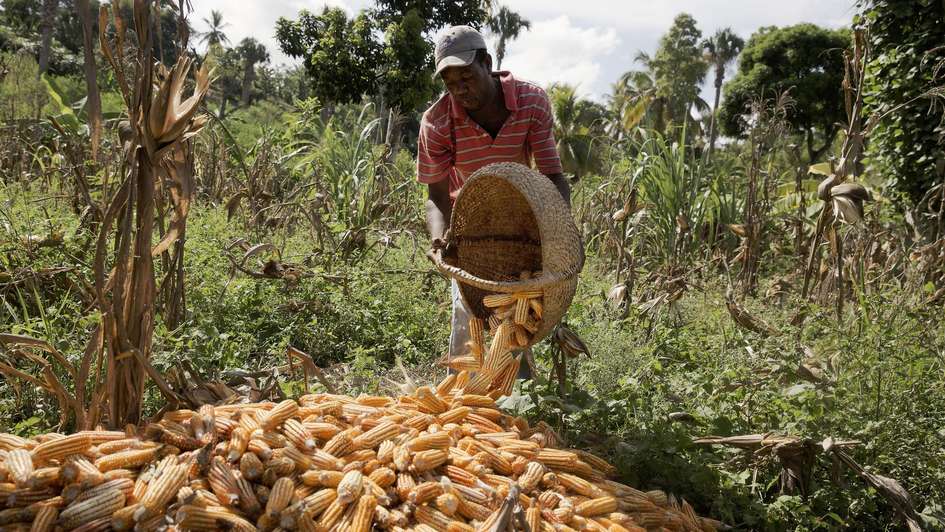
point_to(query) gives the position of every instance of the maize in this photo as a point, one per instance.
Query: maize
(426, 442)
(598, 506)
(363, 514)
(350, 487)
(280, 496)
(102, 505)
(428, 460)
(316, 503)
(443, 458)
(45, 518)
(58, 449)
(126, 459)
(223, 482)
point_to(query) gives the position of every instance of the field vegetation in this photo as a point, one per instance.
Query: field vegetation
(762, 301)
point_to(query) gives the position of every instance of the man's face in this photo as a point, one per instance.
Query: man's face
(470, 85)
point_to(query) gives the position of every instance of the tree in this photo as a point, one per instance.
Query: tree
(341, 56)
(720, 50)
(228, 68)
(635, 100)
(214, 36)
(252, 52)
(93, 102)
(679, 68)
(805, 59)
(46, 30)
(906, 38)
(383, 51)
(507, 25)
(577, 122)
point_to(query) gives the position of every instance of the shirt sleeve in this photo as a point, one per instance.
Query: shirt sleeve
(541, 138)
(434, 154)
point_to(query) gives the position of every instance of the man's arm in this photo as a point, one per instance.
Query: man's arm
(561, 183)
(439, 209)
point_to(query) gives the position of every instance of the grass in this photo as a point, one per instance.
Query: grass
(883, 380)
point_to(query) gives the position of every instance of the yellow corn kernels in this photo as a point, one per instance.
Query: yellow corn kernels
(102, 505)
(364, 514)
(350, 487)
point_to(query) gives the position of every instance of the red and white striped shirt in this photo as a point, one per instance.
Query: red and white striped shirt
(453, 146)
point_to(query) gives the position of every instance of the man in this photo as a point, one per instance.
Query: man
(485, 117)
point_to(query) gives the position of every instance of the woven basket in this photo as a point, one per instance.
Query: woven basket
(507, 219)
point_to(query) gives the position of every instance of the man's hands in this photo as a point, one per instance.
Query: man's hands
(561, 183)
(439, 209)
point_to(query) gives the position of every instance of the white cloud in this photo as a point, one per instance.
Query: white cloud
(589, 43)
(557, 50)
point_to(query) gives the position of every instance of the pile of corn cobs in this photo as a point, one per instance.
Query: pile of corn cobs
(440, 459)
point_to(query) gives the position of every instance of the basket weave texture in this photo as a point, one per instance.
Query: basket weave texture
(507, 219)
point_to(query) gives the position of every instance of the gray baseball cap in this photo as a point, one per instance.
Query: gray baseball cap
(457, 47)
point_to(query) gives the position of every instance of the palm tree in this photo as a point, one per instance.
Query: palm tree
(720, 50)
(507, 25)
(636, 100)
(252, 52)
(214, 35)
(572, 130)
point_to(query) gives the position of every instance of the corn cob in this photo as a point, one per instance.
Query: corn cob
(97, 507)
(161, 491)
(239, 440)
(350, 487)
(316, 503)
(426, 442)
(223, 482)
(8, 442)
(251, 467)
(298, 435)
(280, 496)
(124, 519)
(58, 449)
(373, 438)
(197, 518)
(330, 516)
(45, 519)
(126, 459)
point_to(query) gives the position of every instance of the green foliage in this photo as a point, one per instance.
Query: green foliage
(805, 59)
(672, 182)
(906, 39)
(436, 14)
(407, 83)
(22, 93)
(577, 124)
(347, 60)
(679, 68)
(341, 56)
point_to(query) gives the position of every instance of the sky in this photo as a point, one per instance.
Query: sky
(588, 47)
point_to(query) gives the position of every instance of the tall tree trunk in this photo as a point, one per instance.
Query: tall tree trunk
(249, 74)
(93, 103)
(46, 29)
(500, 53)
(713, 123)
